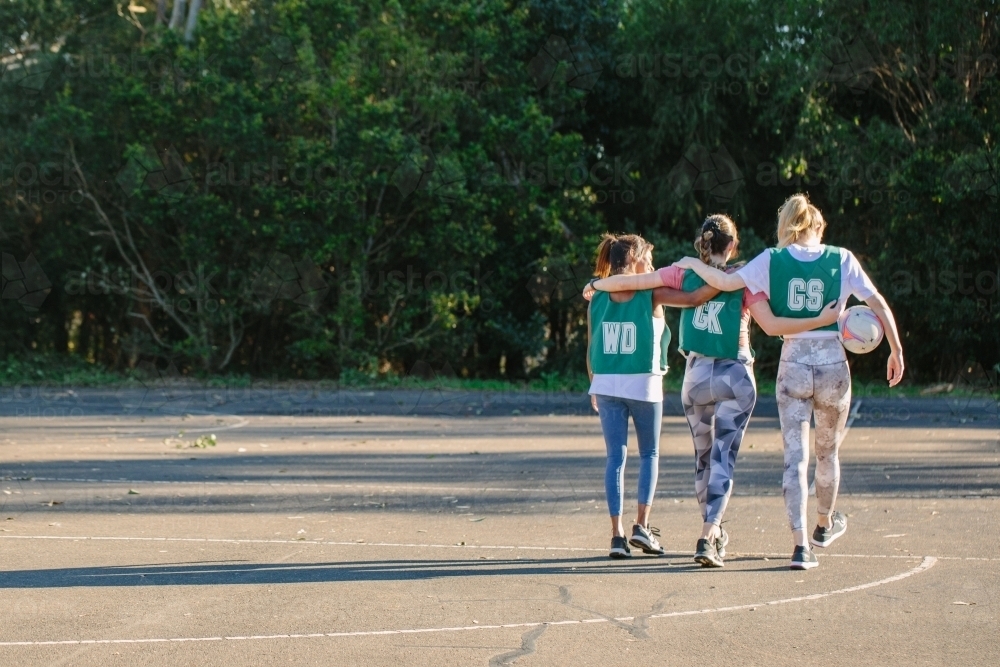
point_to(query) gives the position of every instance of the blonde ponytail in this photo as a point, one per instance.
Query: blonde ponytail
(796, 217)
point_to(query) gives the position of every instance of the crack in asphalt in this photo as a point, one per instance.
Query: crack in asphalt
(640, 622)
(528, 640)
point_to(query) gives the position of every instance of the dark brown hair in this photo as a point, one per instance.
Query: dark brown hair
(616, 253)
(717, 232)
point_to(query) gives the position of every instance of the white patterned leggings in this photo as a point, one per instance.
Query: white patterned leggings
(718, 396)
(813, 380)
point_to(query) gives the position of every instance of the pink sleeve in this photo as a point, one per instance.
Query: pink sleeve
(671, 276)
(749, 298)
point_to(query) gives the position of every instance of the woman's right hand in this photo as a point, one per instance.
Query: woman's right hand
(588, 291)
(593, 402)
(830, 314)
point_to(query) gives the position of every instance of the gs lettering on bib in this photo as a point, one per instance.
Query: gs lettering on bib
(801, 289)
(622, 337)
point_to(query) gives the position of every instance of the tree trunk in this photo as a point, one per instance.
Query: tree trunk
(177, 16)
(192, 21)
(161, 12)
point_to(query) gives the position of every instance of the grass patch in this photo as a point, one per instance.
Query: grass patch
(55, 370)
(71, 371)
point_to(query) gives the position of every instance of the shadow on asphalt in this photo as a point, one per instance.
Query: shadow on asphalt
(438, 483)
(214, 574)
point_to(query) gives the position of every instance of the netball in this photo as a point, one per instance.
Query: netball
(860, 329)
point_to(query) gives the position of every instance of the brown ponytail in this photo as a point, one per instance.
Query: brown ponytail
(616, 253)
(717, 232)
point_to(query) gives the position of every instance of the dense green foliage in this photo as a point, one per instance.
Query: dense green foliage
(327, 188)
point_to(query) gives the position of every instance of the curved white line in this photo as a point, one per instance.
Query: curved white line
(927, 563)
(241, 422)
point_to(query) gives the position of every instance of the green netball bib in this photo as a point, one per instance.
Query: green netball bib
(801, 289)
(713, 328)
(621, 335)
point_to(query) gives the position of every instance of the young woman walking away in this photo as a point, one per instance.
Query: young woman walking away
(719, 390)
(798, 277)
(627, 359)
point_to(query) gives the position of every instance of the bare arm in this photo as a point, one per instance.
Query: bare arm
(590, 371)
(727, 282)
(894, 367)
(667, 296)
(623, 283)
(629, 283)
(782, 326)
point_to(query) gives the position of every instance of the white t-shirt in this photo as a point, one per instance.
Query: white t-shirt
(853, 279)
(636, 386)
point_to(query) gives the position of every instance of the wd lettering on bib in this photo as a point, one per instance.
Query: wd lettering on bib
(619, 337)
(622, 338)
(713, 328)
(801, 289)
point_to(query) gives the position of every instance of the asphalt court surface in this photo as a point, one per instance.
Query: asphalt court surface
(433, 528)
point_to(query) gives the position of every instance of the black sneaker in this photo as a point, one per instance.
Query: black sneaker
(721, 541)
(803, 558)
(824, 537)
(619, 548)
(645, 538)
(707, 555)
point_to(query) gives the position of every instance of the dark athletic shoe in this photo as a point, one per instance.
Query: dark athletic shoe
(803, 558)
(824, 537)
(707, 554)
(619, 548)
(645, 538)
(721, 541)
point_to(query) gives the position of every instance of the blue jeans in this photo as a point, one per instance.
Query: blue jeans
(614, 413)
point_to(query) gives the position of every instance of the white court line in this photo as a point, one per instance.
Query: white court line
(242, 421)
(927, 563)
(373, 485)
(419, 545)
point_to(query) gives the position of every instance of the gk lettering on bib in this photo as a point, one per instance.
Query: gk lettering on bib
(713, 328)
(706, 317)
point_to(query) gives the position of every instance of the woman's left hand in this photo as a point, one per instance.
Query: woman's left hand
(593, 402)
(894, 368)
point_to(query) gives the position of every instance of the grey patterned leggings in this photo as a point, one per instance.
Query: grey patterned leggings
(718, 397)
(813, 379)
